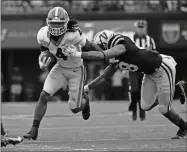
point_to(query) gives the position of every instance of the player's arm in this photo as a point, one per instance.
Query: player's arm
(103, 55)
(107, 75)
(88, 46)
(43, 41)
(43, 48)
(80, 38)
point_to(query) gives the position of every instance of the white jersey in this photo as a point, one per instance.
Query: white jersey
(69, 38)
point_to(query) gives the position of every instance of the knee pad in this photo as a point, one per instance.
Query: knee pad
(163, 108)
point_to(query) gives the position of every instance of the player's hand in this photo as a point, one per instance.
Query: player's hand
(71, 50)
(44, 63)
(113, 62)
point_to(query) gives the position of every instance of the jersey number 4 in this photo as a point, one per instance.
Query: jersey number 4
(59, 54)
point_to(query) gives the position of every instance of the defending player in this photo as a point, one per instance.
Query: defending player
(159, 72)
(60, 34)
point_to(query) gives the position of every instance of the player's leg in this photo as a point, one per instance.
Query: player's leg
(134, 100)
(166, 93)
(54, 81)
(2, 129)
(148, 93)
(142, 113)
(77, 100)
(182, 95)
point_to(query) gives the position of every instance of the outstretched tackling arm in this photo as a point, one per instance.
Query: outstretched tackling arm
(103, 55)
(86, 44)
(107, 75)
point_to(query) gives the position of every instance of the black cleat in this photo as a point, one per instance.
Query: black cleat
(181, 133)
(182, 95)
(86, 110)
(32, 134)
(134, 115)
(6, 140)
(142, 115)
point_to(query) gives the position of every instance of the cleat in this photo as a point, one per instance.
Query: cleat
(181, 133)
(32, 134)
(86, 109)
(134, 115)
(182, 95)
(142, 115)
(5, 140)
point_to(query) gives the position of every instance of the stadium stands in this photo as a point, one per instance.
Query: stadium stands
(127, 6)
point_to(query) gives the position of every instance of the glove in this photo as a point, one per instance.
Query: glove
(44, 63)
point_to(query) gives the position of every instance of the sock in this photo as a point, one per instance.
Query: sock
(2, 129)
(175, 119)
(36, 123)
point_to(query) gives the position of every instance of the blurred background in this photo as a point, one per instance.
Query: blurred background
(21, 78)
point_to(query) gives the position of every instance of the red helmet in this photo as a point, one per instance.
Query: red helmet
(57, 20)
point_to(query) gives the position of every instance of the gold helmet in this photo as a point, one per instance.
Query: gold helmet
(57, 20)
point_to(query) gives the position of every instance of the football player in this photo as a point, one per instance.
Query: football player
(159, 72)
(60, 34)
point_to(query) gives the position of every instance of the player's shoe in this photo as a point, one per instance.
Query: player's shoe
(86, 110)
(142, 115)
(181, 133)
(182, 95)
(134, 115)
(32, 134)
(5, 140)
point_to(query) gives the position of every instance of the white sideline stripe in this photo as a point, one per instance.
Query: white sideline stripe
(96, 127)
(94, 149)
(117, 149)
(100, 140)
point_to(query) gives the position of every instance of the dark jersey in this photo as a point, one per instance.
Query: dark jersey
(135, 59)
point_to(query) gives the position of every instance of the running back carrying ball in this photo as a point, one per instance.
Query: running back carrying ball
(46, 60)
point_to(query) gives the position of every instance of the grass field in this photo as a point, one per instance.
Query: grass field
(109, 128)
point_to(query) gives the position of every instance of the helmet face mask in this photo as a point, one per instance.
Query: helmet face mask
(57, 21)
(57, 28)
(102, 38)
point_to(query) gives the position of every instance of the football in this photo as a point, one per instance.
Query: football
(47, 54)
